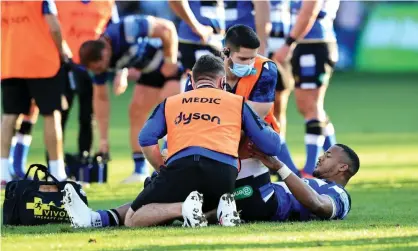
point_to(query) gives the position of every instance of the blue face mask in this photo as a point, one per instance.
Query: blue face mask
(242, 70)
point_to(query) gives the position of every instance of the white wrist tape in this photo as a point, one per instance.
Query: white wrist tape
(284, 172)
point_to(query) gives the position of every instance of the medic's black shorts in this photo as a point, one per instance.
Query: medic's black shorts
(185, 175)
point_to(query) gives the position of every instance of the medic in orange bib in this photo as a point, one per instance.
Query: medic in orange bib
(203, 141)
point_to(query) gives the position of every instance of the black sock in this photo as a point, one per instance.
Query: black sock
(114, 218)
(25, 128)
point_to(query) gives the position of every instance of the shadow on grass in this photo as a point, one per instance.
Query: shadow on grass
(369, 242)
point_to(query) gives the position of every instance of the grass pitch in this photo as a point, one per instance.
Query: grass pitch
(377, 115)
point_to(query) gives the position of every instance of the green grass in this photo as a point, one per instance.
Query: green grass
(375, 114)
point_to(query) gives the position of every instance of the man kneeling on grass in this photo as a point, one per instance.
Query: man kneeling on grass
(203, 156)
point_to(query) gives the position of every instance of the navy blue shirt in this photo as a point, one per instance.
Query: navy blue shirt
(131, 45)
(267, 140)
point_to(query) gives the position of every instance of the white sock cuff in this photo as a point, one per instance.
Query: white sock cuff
(57, 168)
(25, 139)
(14, 140)
(313, 139)
(329, 129)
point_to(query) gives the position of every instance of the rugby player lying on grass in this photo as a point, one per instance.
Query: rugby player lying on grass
(323, 197)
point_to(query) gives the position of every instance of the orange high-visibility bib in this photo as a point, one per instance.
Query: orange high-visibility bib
(206, 117)
(83, 21)
(244, 88)
(28, 50)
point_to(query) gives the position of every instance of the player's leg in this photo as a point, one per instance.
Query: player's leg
(50, 105)
(329, 130)
(22, 140)
(145, 97)
(85, 114)
(15, 100)
(83, 216)
(65, 109)
(280, 108)
(283, 88)
(143, 100)
(312, 70)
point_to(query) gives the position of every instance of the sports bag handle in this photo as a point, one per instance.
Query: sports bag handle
(34, 165)
(43, 169)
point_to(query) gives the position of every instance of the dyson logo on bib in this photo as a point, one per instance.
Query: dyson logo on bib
(187, 118)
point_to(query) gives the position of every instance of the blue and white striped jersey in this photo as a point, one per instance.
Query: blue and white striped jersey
(290, 209)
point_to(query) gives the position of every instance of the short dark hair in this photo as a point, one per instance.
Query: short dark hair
(241, 35)
(91, 51)
(353, 158)
(208, 67)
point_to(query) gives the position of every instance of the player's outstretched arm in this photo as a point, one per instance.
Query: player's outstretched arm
(321, 205)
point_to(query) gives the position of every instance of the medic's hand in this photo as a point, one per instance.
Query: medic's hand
(270, 162)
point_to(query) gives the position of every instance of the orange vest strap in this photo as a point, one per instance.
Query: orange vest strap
(246, 84)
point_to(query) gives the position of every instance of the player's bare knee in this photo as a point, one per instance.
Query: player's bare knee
(129, 218)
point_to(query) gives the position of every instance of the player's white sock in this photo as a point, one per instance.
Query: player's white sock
(57, 169)
(96, 219)
(5, 171)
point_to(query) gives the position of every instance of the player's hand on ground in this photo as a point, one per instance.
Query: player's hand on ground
(270, 162)
(120, 82)
(204, 32)
(169, 69)
(282, 54)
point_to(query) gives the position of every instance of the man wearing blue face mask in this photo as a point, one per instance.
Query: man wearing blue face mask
(255, 78)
